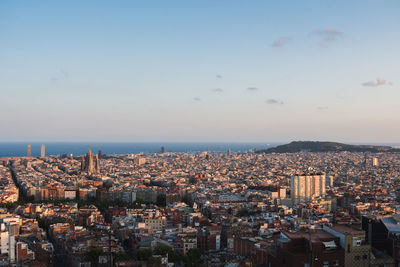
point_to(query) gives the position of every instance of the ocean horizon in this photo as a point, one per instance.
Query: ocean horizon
(19, 149)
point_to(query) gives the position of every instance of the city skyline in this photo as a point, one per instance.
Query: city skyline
(199, 133)
(199, 72)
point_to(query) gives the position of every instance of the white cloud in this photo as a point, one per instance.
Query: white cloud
(327, 35)
(378, 82)
(273, 101)
(281, 41)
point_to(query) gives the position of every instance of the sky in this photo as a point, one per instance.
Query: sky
(200, 71)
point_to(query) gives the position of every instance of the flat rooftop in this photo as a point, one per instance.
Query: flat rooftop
(344, 229)
(317, 235)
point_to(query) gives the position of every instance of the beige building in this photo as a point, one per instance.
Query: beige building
(307, 186)
(42, 151)
(158, 223)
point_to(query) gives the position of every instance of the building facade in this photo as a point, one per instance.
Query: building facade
(305, 187)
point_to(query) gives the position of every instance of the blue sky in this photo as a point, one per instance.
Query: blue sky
(199, 70)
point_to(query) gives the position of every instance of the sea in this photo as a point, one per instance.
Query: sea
(19, 149)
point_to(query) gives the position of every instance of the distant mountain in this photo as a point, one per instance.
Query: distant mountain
(315, 146)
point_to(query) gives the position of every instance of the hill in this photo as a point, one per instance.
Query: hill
(316, 146)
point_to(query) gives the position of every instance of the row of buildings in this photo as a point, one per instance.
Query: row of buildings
(235, 210)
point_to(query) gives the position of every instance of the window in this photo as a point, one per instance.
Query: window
(336, 263)
(325, 264)
(306, 265)
(357, 241)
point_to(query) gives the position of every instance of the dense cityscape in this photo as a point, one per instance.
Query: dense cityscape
(201, 209)
(212, 133)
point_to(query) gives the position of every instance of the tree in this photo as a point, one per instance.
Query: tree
(120, 257)
(143, 254)
(93, 256)
(192, 257)
(243, 212)
(163, 250)
(153, 262)
(161, 200)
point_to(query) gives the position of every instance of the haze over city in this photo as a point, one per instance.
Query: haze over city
(179, 71)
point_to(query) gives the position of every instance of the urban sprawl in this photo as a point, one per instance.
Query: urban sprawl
(201, 209)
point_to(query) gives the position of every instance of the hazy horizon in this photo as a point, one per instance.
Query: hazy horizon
(19, 149)
(88, 142)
